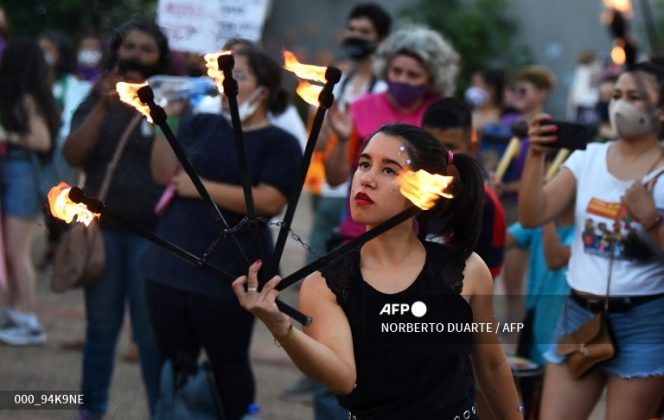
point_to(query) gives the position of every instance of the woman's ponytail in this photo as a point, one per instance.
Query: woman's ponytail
(463, 213)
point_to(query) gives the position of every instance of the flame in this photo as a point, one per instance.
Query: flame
(423, 189)
(213, 70)
(622, 6)
(618, 55)
(65, 209)
(303, 71)
(128, 95)
(308, 92)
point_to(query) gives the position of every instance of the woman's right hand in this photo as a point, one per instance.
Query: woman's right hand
(105, 87)
(261, 303)
(541, 136)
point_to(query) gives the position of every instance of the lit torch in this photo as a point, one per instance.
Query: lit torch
(128, 93)
(63, 208)
(421, 188)
(212, 64)
(312, 94)
(616, 18)
(308, 92)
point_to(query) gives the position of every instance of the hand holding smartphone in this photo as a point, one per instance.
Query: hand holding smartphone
(572, 136)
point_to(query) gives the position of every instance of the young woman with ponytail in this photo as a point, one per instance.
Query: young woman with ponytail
(382, 361)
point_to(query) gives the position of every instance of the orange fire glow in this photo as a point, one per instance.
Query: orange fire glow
(424, 189)
(308, 92)
(622, 6)
(128, 94)
(303, 71)
(65, 209)
(213, 70)
(618, 55)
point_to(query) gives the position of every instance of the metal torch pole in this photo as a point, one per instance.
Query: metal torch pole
(325, 100)
(226, 63)
(347, 247)
(78, 196)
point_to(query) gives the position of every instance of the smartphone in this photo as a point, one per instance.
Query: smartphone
(572, 136)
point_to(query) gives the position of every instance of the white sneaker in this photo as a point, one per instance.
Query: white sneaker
(22, 335)
(7, 320)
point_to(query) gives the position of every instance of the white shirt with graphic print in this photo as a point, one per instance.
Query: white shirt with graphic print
(598, 207)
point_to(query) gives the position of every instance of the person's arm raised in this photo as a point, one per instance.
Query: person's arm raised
(81, 141)
(337, 167)
(539, 203)
(324, 350)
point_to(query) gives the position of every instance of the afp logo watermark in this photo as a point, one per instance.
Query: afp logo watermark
(417, 308)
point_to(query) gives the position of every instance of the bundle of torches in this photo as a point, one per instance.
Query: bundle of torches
(421, 188)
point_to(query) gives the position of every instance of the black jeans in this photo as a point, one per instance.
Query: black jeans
(184, 323)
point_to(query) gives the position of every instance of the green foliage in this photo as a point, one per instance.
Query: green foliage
(73, 17)
(479, 30)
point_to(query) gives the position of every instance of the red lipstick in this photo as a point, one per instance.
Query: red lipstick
(361, 199)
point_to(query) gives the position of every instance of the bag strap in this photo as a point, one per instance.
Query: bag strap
(613, 240)
(113, 164)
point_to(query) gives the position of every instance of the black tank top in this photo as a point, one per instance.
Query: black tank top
(404, 374)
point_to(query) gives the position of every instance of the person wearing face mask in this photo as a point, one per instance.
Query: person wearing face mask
(88, 60)
(137, 50)
(611, 184)
(419, 66)
(191, 309)
(486, 98)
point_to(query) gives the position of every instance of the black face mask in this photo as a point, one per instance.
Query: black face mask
(133, 65)
(357, 48)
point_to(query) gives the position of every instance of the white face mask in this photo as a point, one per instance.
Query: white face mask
(89, 58)
(247, 108)
(476, 96)
(630, 121)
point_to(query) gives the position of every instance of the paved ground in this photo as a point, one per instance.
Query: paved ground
(49, 367)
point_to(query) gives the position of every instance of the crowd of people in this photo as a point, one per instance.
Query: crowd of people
(579, 238)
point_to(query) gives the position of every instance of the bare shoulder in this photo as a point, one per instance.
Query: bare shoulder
(477, 279)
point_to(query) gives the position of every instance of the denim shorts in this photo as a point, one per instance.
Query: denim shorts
(638, 334)
(19, 189)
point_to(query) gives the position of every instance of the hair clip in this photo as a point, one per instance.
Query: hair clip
(402, 149)
(450, 157)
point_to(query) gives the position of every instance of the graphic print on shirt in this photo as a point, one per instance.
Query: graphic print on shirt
(604, 222)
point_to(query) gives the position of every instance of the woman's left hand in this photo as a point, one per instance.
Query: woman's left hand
(639, 201)
(184, 186)
(261, 303)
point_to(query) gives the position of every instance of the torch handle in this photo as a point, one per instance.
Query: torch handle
(557, 161)
(77, 195)
(198, 184)
(198, 262)
(242, 160)
(226, 63)
(512, 150)
(325, 101)
(347, 247)
(296, 190)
